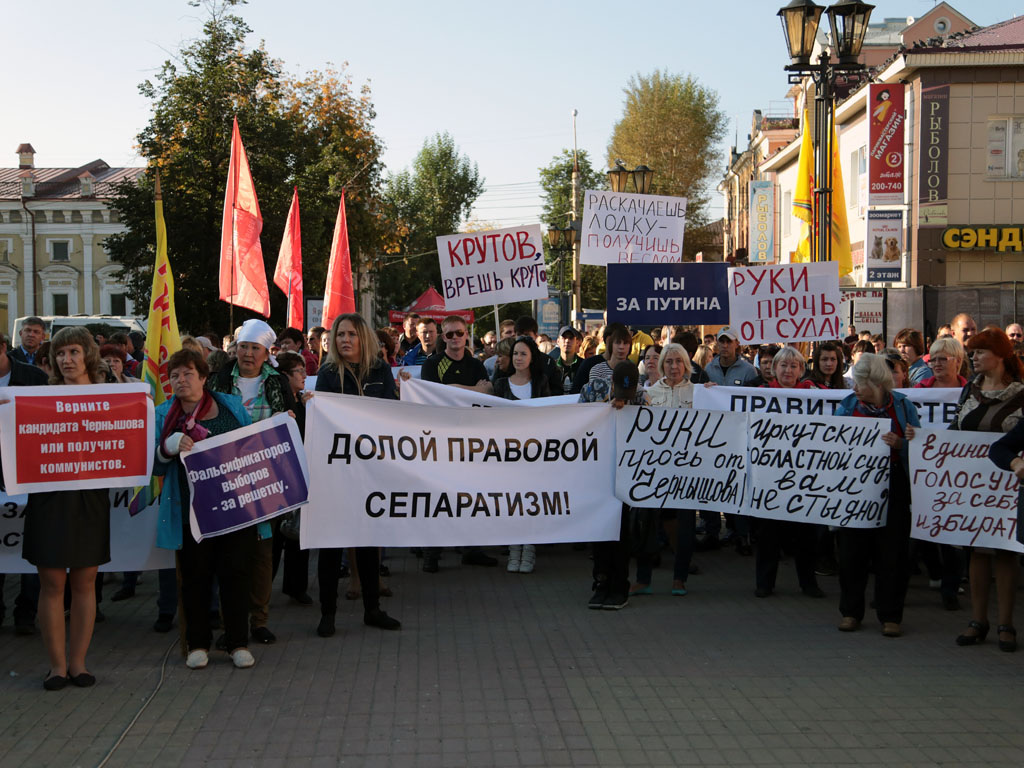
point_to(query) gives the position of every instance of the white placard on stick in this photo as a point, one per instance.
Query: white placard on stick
(620, 227)
(494, 267)
(784, 303)
(958, 495)
(681, 458)
(832, 470)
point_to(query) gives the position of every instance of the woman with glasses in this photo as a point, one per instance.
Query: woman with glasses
(527, 381)
(946, 355)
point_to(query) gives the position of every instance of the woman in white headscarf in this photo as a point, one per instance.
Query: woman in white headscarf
(264, 391)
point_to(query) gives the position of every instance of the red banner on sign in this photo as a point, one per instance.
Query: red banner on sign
(886, 118)
(98, 436)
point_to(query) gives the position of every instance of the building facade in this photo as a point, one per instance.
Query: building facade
(53, 222)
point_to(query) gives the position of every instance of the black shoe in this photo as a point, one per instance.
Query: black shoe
(478, 558)
(122, 594)
(55, 683)
(222, 643)
(24, 627)
(429, 564)
(264, 635)
(163, 622)
(743, 548)
(326, 626)
(215, 622)
(381, 620)
(813, 591)
(303, 599)
(615, 601)
(951, 602)
(83, 680)
(100, 615)
(598, 600)
(762, 592)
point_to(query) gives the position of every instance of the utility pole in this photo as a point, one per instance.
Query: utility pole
(577, 293)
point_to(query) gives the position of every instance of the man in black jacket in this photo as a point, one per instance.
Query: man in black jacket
(31, 333)
(18, 374)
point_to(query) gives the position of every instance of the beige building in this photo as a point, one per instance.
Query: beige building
(53, 222)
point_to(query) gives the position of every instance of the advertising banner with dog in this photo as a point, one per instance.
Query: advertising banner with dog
(884, 246)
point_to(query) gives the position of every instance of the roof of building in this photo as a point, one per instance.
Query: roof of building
(1007, 34)
(63, 183)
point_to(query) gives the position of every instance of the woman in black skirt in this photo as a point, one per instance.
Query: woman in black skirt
(67, 535)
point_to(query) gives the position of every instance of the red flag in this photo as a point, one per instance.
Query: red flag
(243, 280)
(339, 297)
(288, 275)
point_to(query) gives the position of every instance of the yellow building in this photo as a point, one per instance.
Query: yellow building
(53, 222)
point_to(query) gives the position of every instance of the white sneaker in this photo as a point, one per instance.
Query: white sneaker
(529, 558)
(242, 658)
(197, 659)
(515, 555)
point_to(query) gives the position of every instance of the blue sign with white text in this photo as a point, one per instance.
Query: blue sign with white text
(668, 294)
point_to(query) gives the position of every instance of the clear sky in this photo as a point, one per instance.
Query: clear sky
(502, 78)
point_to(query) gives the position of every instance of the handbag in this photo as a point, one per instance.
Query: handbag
(290, 524)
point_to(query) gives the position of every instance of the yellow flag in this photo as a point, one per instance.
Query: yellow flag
(162, 338)
(839, 222)
(803, 197)
(802, 254)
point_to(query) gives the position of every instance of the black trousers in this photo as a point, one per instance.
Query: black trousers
(611, 560)
(295, 580)
(226, 557)
(798, 538)
(887, 548)
(328, 572)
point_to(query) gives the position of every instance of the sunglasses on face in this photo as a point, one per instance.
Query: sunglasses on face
(454, 334)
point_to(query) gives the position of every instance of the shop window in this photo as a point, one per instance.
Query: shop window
(1005, 158)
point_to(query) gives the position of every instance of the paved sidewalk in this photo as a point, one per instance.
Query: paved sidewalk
(497, 669)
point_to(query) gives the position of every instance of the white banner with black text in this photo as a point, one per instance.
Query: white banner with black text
(385, 473)
(432, 393)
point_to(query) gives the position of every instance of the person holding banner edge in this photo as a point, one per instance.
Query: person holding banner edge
(193, 414)
(67, 535)
(992, 402)
(672, 389)
(787, 369)
(353, 368)
(887, 548)
(527, 382)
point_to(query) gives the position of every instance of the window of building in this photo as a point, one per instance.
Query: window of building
(858, 167)
(5, 252)
(60, 304)
(787, 212)
(1005, 158)
(117, 304)
(60, 250)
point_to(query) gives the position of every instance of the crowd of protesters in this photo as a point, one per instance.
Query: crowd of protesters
(222, 383)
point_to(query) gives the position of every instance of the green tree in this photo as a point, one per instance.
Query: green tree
(673, 124)
(312, 132)
(556, 181)
(432, 198)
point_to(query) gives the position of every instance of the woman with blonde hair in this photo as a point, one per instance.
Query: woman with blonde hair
(703, 355)
(67, 534)
(354, 367)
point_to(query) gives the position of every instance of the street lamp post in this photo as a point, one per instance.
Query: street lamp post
(638, 180)
(848, 20)
(563, 242)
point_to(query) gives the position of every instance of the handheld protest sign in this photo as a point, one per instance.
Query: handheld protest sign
(681, 458)
(785, 303)
(674, 294)
(495, 267)
(246, 476)
(629, 228)
(387, 473)
(958, 495)
(831, 470)
(64, 438)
